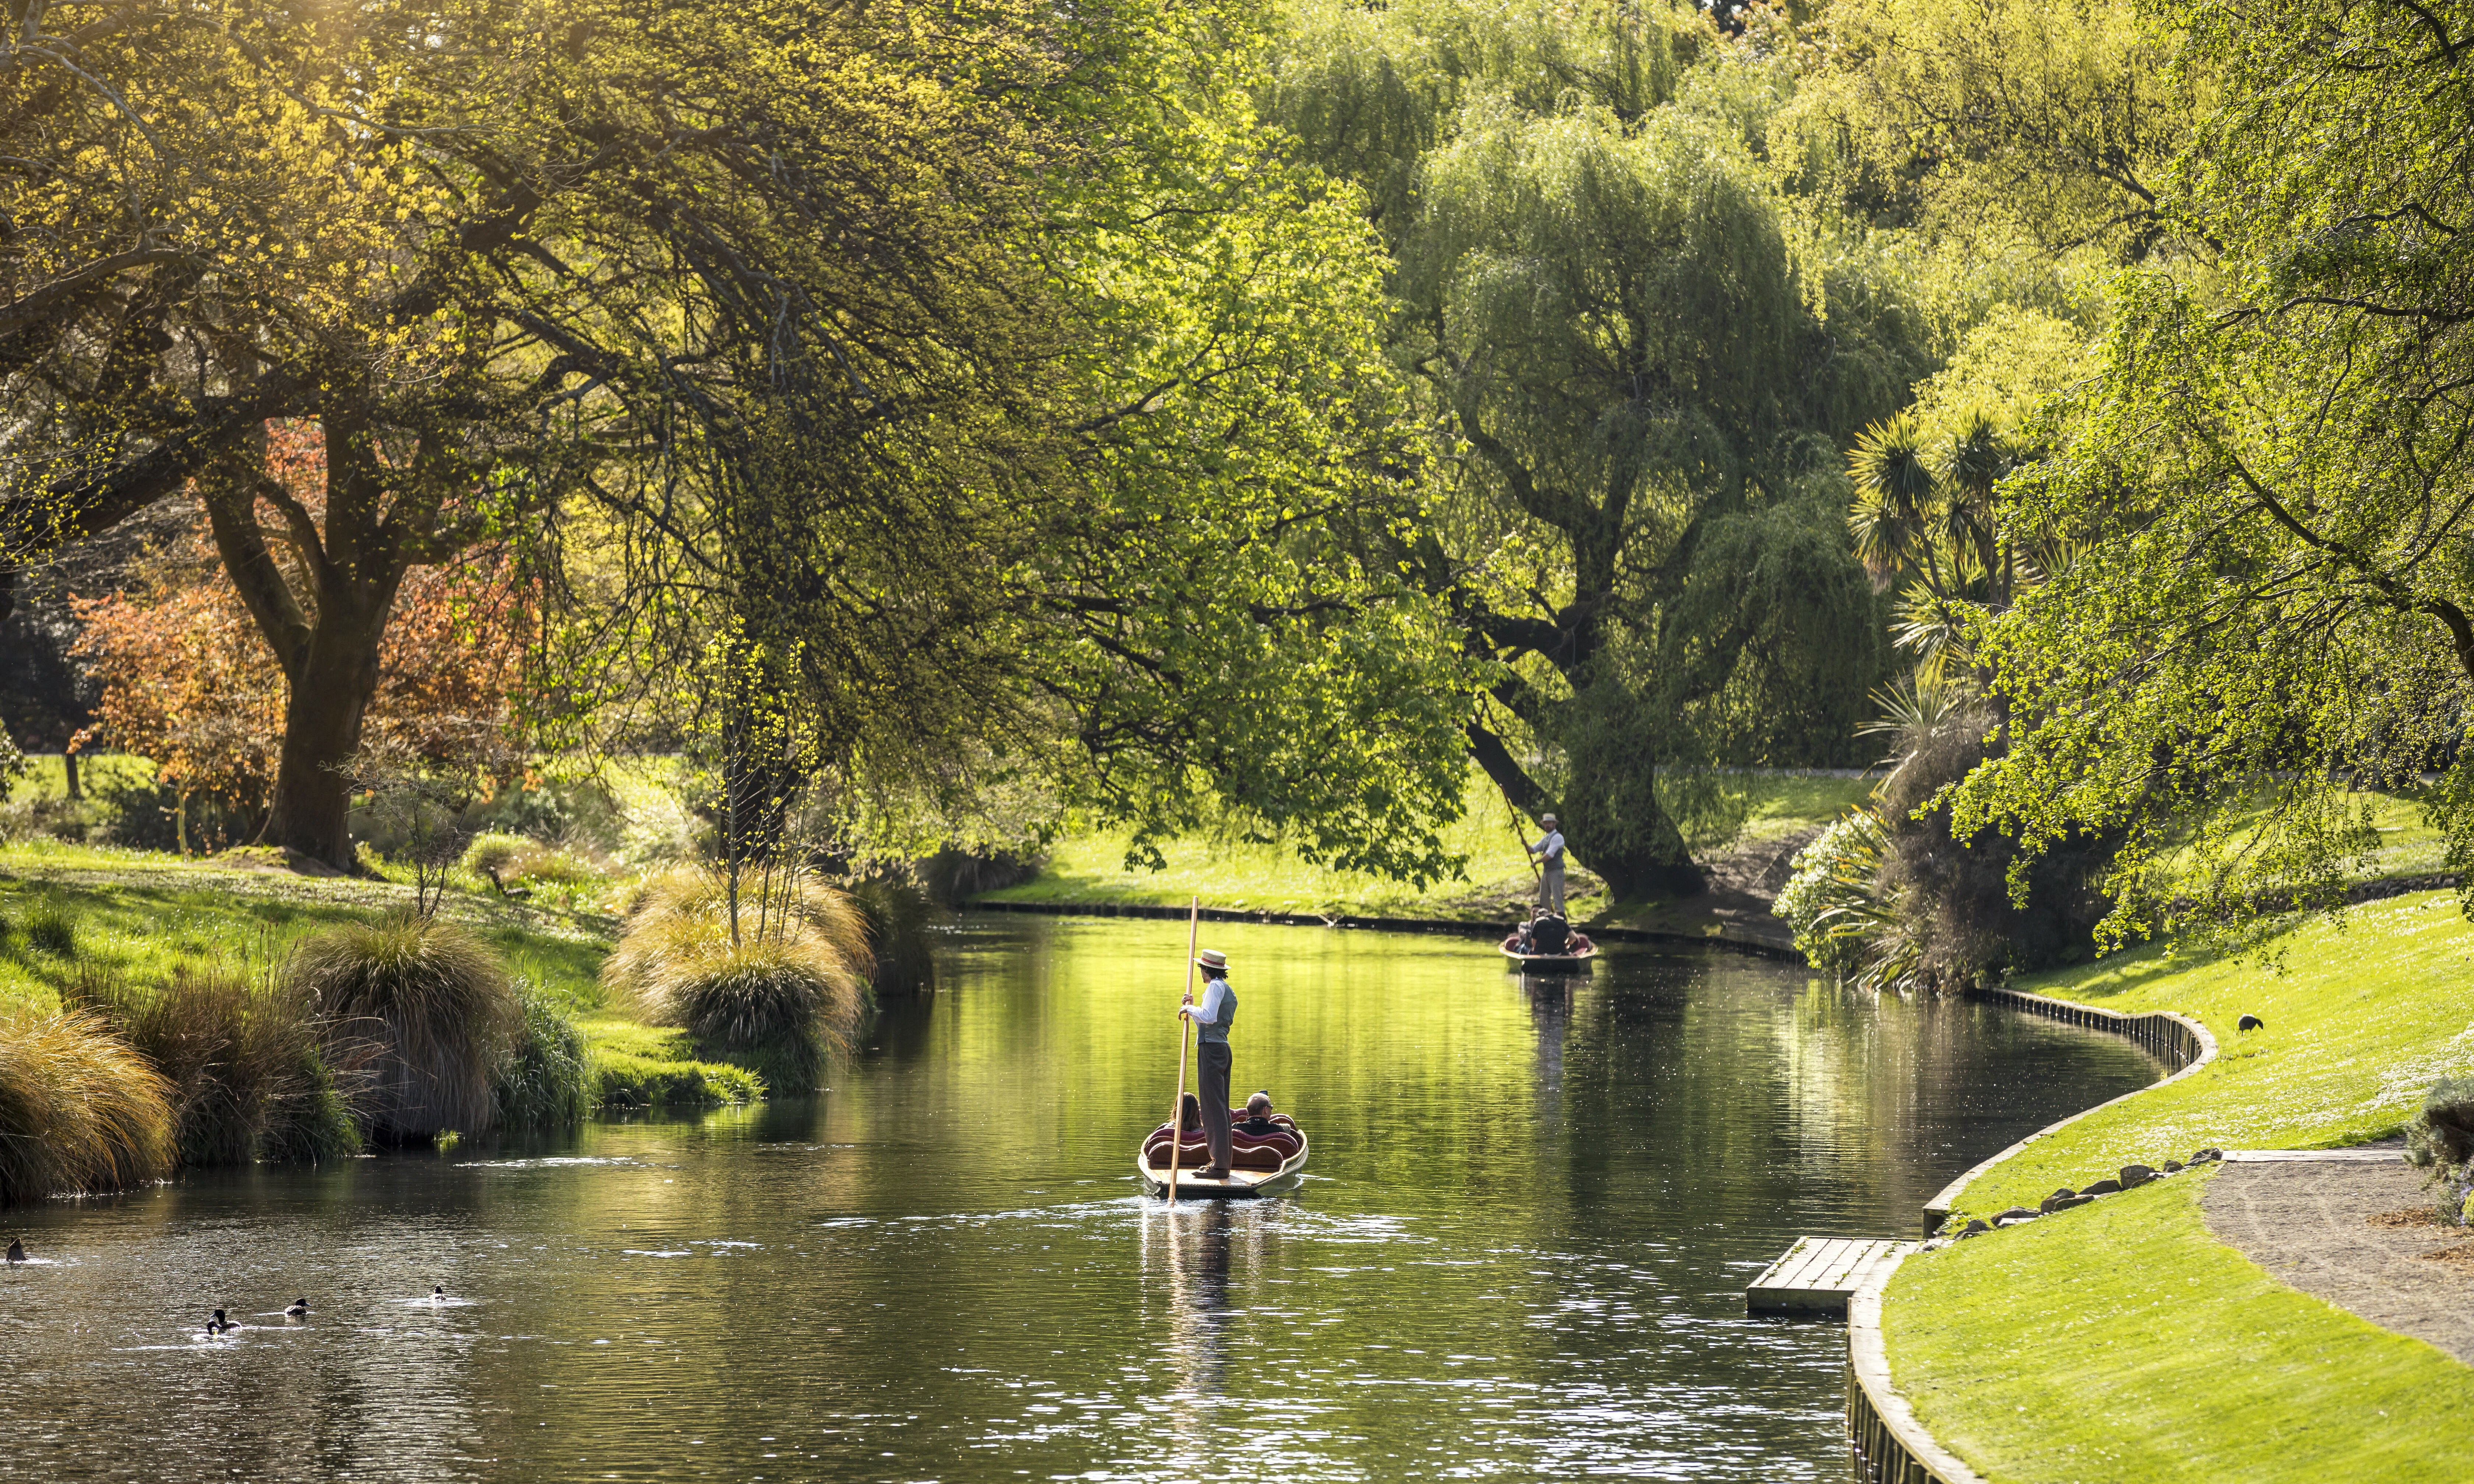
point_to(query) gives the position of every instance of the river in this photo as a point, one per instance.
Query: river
(1520, 1251)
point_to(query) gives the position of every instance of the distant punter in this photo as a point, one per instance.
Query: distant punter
(1212, 1019)
(1550, 876)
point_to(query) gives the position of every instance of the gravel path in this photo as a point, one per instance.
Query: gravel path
(2309, 1224)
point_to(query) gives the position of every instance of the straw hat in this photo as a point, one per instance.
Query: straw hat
(1546, 818)
(1213, 957)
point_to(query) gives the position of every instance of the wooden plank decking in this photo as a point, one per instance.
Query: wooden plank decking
(1818, 1273)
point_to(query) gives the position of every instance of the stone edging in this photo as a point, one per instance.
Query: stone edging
(1457, 928)
(1890, 1445)
(2178, 1039)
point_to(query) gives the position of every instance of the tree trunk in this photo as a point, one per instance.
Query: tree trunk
(322, 729)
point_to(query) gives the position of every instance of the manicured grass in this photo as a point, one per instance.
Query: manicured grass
(2364, 1017)
(2122, 1342)
(1090, 865)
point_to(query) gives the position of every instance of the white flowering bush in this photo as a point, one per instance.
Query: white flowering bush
(1831, 899)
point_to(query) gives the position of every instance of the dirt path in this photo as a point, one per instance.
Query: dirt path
(2309, 1224)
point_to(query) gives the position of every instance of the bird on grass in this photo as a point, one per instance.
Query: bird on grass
(16, 1252)
(219, 1326)
(298, 1309)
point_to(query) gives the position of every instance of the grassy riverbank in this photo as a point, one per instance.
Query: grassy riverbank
(141, 915)
(1088, 867)
(2120, 1341)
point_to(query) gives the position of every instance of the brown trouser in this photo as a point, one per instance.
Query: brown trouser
(1211, 1060)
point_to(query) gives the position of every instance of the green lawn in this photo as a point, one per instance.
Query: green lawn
(2121, 1342)
(142, 914)
(1089, 867)
(2363, 1018)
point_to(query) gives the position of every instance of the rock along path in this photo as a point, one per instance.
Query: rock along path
(2309, 1223)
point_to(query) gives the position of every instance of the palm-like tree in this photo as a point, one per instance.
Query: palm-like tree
(1923, 518)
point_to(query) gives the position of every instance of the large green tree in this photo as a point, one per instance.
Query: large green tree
(1638, 387)
(2269, 489)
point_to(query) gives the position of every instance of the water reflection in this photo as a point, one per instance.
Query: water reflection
(1520, 1249)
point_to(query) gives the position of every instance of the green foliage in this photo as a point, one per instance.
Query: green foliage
(779, 982)
(422, 1010)
(80, 1110)
(2440, 1138)
(2265, 494)
(1992, 120)
(1634, 376)
(1833, 896)
(244, 1055)
(548, 1078)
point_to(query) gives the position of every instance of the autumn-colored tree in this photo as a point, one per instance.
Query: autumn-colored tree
(187, 679)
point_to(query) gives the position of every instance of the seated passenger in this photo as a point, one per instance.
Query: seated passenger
(1259, 1115)
(1548, 934)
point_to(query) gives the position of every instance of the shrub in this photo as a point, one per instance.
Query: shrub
(245, 1061)
(2441, 1139)
(421, 1009)
(897, 914)
(80, 1110)
(788, 986)
(548, 1079)
(1829, 899)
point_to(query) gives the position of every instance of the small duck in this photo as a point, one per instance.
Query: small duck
(298, 1309)
(438, 1293)
(16, 1252)
(219, 1326)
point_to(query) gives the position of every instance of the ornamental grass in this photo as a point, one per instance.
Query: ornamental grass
(245, 1058)
(80, 1111)
(548, 1078)
(422, 1011)
(783, 991)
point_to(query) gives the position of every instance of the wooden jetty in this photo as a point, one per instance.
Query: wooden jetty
(1818, 1273)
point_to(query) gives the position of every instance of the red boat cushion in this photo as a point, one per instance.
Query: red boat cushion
(1247, 1151)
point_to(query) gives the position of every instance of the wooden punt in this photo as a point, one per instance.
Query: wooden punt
(1550, 962)
(1239, 1184)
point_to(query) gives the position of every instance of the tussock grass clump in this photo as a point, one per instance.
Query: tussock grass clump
(548, 1079)
(80, 1110)
(898, 914)
(245, 1058)
(421, 1009)
(782, 993)
(51, 928)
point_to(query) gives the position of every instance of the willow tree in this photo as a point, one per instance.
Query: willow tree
(1638, 391)
(2272, 489)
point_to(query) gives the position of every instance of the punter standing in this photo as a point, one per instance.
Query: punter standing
(1211, 1019)
(1550, 876)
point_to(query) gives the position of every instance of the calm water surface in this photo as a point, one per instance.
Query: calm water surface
(1520, 1252)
